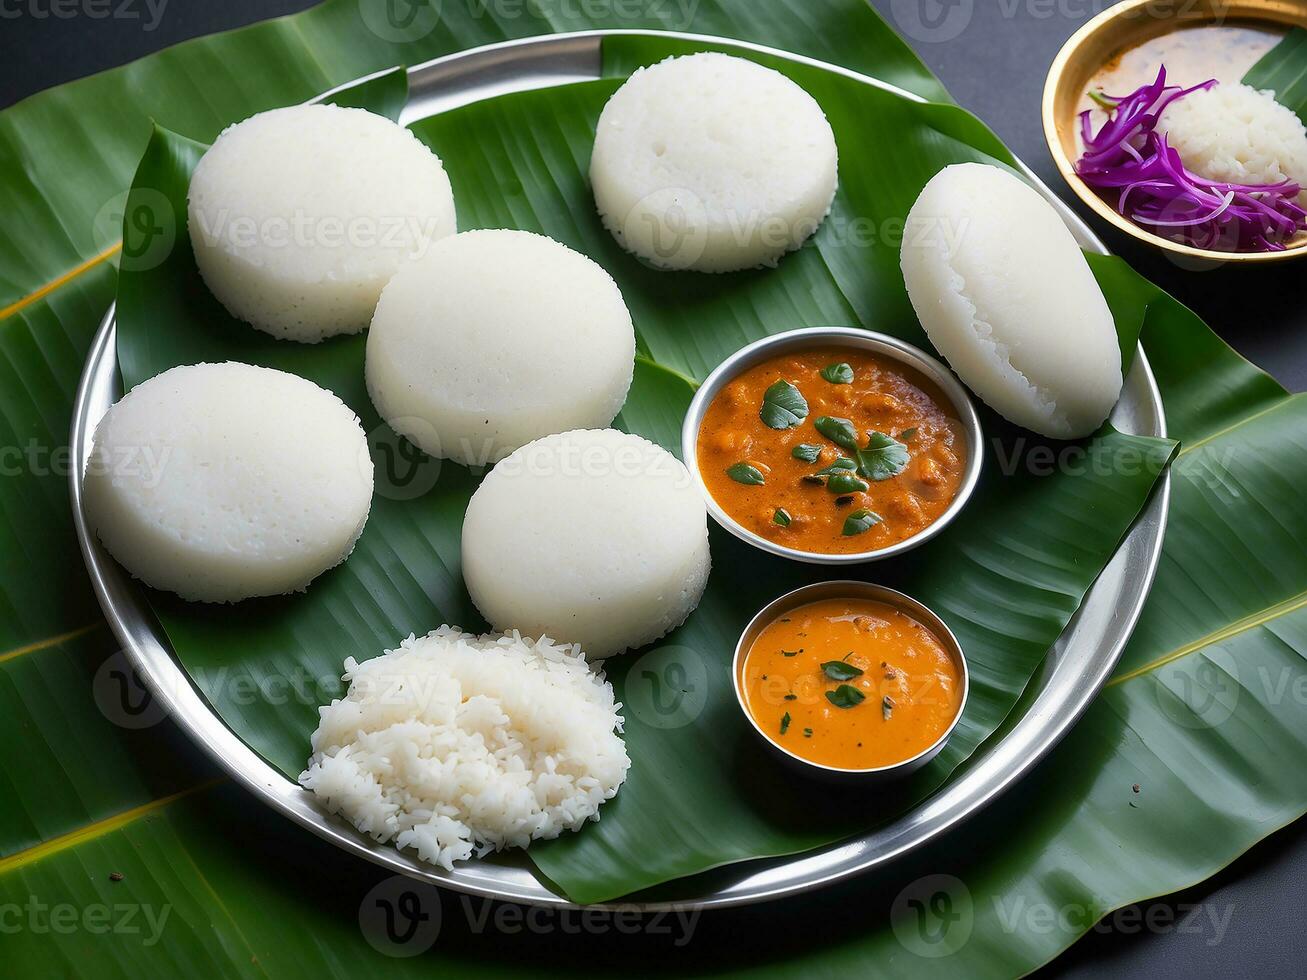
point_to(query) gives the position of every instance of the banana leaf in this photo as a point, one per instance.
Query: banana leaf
(1283, 70)
(66, 158)
(69, 154)
(1007, 578)
(252, 895)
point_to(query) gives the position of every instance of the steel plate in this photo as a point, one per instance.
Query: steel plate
(1075, 669)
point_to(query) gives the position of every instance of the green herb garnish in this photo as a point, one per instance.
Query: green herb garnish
(806, 451)
(884, 457)
(839, 431)
(838, 374)
(845, 483)
(859, 521)
(843, 464)
(907, 435)
(845, 696)
(791, 697)
(781, 517)
(807, 733)
(789, 653)
(783, 406)
(785, 723)
(1098, 96)
(886, 707)
(746, 474)
(839, 670)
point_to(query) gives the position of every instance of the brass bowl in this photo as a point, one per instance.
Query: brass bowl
(1118, 29)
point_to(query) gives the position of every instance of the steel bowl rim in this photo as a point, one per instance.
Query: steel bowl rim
(904, 603)
(914, 357)
(1126, 10)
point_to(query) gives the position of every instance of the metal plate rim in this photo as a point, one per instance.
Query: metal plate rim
(1077, 665)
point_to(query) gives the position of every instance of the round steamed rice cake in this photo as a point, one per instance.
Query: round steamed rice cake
(299, 216)
(593, 537)
(495, 338)
(224, 481)
(712, 163)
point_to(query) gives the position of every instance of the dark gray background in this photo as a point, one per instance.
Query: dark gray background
(994, 64)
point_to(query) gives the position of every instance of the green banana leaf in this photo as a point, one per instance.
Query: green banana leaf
(1006, 578)
(94, 130)
(251, 895)
(1283, 70)
(66, 161)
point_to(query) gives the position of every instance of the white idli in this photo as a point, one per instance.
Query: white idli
(225, 481)
(591, 537)
(1236, 134)
(456, 745)
(712, 163)
(1007, 297)
(495, 338)
(299, 216)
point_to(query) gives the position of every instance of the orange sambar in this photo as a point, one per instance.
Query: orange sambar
(851, 684)
(797, 504)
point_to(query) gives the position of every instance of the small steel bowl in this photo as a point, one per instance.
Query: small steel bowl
(1118, 29)
(849, 589)
(805, 339)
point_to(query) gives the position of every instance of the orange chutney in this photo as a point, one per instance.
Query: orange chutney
(865, 461)
(850, 683)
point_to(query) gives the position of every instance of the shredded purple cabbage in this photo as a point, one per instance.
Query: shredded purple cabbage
(1129, 157)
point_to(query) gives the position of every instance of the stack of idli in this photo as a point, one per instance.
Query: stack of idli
(482, 346)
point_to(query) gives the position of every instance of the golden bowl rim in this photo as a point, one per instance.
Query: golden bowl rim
(1111, 19)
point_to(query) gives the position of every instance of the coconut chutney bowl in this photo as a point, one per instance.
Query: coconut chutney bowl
(872, 467)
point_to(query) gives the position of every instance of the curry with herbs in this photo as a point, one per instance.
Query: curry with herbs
(832, 451)
(851, 684)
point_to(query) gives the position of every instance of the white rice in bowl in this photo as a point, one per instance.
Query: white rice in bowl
(456, 745)
(1239, 135)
